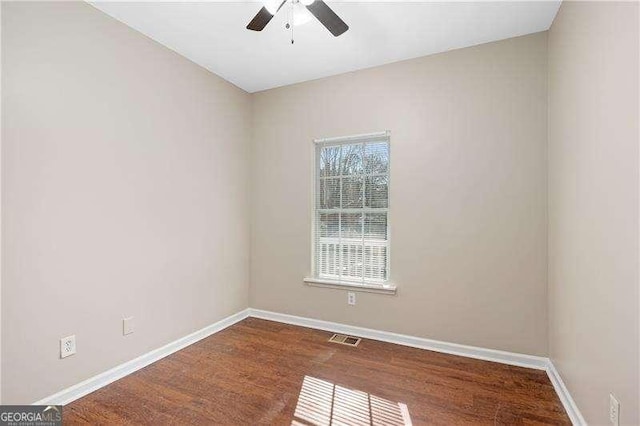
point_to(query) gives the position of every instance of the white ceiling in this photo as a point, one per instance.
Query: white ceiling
(213, 34)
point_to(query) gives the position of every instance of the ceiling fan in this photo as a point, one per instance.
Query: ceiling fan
(318, 8)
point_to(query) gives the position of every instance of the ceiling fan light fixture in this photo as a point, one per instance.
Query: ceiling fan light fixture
(300, 15)
(272, 6)
(318, 8)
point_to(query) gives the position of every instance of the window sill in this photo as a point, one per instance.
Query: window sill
(367, 288)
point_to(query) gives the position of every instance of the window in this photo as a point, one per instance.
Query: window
(351, 235)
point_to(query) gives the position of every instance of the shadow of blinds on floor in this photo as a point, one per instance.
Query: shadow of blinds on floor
(322, 403)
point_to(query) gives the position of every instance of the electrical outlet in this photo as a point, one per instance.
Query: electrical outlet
(127, 326)
(614, 410)
(351, 298)
(67, 346)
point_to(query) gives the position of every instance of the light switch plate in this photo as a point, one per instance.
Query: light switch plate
(127, 326)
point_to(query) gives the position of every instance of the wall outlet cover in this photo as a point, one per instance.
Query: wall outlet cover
(614, 410)
(351, 298)
(67, 346)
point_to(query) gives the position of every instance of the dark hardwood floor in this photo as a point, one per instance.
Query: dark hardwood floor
(263, 372)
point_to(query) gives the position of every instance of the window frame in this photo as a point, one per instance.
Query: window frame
(386, 286)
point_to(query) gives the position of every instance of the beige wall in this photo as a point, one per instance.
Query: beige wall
(0, 209)
(468, 194)
(124, 192)
(593, 205)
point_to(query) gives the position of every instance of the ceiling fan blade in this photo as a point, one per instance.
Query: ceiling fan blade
(328, 17)
(261, 19)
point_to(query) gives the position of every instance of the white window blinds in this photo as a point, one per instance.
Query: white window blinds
(351, 209)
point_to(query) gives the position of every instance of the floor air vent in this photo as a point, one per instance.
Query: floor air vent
(345, 340)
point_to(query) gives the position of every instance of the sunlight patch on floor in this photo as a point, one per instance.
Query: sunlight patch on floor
(322, 403)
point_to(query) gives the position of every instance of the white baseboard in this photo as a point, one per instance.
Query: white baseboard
(511, 358)
(503, 357)
(521, 360)
(96, 382)
(569, 404)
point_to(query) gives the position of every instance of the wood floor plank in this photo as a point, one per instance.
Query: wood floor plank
(253, 373)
